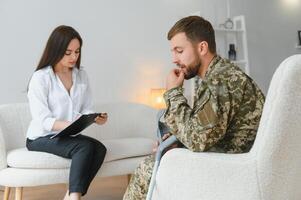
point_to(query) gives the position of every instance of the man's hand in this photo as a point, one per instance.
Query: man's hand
(100, 120)
(165, 136)
(175, 79)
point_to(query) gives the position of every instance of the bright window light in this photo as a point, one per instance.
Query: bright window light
(291, 2)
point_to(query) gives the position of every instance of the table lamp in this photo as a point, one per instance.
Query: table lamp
(157, 100)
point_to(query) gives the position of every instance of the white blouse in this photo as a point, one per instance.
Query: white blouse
(49, 100)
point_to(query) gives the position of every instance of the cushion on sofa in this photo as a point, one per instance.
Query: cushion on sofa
(116, 149)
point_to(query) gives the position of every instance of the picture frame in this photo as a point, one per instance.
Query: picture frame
(299, 37)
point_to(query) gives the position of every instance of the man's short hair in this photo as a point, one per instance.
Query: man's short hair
(197, 29)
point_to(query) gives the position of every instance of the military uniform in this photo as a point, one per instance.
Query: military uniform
(224, 118)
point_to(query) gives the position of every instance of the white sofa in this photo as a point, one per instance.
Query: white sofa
(270, 171)
(128, 136)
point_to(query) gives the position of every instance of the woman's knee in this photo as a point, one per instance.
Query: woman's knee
(85, 146)
(92, 146)
(100, 150)
(99, 147)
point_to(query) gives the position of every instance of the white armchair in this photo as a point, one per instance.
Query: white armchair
(128, 136)
(270, 171)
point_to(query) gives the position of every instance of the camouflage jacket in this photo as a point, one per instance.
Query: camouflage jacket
(226, 111)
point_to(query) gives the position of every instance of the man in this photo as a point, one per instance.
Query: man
(227, 105)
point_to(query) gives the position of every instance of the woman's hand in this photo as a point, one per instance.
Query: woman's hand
(101, 119)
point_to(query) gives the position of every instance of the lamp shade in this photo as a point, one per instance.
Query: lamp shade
(157, 100)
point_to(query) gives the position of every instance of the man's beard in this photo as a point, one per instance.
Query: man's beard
(192, 70)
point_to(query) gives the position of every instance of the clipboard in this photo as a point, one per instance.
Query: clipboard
(77, 126)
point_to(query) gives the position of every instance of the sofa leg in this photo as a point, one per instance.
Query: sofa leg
(6, 193)
(19, 192)
(129, 178)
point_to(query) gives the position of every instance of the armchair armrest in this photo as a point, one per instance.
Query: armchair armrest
(3, 161)
(183, 174)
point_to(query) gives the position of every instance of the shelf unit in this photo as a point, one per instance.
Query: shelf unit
(237, 36)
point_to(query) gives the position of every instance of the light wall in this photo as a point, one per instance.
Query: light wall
(125, 48)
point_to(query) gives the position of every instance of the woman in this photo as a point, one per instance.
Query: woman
(59, 93)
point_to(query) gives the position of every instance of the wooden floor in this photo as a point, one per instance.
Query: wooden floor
(111, 188)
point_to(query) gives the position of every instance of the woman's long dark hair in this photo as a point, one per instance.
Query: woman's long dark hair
(57, 45)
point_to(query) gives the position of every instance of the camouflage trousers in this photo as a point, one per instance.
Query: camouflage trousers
(138, 186)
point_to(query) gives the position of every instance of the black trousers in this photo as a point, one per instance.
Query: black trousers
(87, 156)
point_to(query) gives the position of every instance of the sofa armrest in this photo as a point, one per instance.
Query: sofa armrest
(3, 161)
(183, 174)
